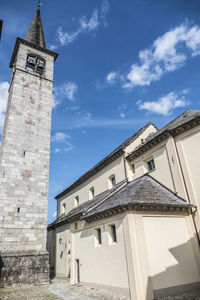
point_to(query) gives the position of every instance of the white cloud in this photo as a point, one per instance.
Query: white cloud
(4, 86)
(54, 214)
(104, 11)
(65, 90)
(167, 53)
(57, 150)
(60, 137)
(70, 147)
(123, 110)
(85, 25)
(165, 104)
(111, 77)
(72, 108)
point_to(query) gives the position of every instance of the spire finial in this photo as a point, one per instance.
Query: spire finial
(39, 3)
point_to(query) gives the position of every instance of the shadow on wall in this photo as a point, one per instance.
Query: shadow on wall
(183, 276)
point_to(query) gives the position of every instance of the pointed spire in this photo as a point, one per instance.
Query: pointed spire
(35, 34)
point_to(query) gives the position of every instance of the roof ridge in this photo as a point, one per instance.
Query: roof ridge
(117, 150)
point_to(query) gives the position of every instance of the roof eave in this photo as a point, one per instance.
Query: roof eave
(27, 43)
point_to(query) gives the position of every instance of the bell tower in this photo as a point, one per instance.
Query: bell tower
(24, 161)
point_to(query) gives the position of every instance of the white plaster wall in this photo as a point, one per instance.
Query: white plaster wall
(150, 129)
(99, 181)
(170, 252)
(104, 264)
(162, 168)
(188, 146)
(62, 251)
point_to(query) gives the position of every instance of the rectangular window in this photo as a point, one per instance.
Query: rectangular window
(76, 201)
(76, 226)
(91, 193)
(98, 236)
(113, 233)
(151, 165)
(64, 208)
(111, 181)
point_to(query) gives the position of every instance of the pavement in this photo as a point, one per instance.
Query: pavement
(60, 288)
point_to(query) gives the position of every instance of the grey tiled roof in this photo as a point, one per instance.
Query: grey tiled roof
(35, 34)
(144, 191)
(187, 117)
(108, 159)
(84, 207)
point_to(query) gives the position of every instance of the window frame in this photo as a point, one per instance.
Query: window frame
(112, 234)
(98, 237)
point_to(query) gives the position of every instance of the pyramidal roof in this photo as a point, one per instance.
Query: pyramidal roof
(35, 34)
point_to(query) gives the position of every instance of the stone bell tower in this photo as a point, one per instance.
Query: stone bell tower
(24, 161)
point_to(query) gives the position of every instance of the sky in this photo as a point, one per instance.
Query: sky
(121, 64)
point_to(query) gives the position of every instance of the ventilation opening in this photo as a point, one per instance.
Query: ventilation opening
(18, 209)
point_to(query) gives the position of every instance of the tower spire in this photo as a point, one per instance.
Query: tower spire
(35, 34)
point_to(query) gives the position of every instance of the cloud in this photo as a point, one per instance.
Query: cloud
(104, 12)
(54, 214)
(4, 86)
(65, 90)
(72, 108)
(60, 137)
(85, 25)
(123, 110)
(111, 77)
(167, 53)
(165, 104)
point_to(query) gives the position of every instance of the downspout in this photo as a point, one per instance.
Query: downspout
(186, 189)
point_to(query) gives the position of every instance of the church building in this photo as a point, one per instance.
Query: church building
(131, 223)
(24, 161)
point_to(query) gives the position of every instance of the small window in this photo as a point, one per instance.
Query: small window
(76, 226)
(98, 236)
(91, 193)
(151, 165)
(133, 168)
(64, 208)
(111, 181)
(76, 201)
(113, 233)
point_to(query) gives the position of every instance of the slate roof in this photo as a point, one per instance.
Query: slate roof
(142, 193)
(187, 120)
(78, 211)
(107, 160)
(35, 34)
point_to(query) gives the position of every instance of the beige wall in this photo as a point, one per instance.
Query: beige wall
(99, 181)
(188, 145)
(104, 264)
(170, 252)
(62, 251)
(162, 252)
(162, 171)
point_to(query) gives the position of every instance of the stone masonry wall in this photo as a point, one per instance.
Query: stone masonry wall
(24, 157)
(24, 268)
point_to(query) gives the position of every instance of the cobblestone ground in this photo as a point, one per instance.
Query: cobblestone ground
(59, 289)
(28, 293)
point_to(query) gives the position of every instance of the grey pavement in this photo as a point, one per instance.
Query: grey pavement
(60, 288)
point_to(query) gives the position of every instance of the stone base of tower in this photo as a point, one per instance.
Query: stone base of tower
(23, 268)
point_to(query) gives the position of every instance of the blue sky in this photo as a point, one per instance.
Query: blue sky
(121, 64)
